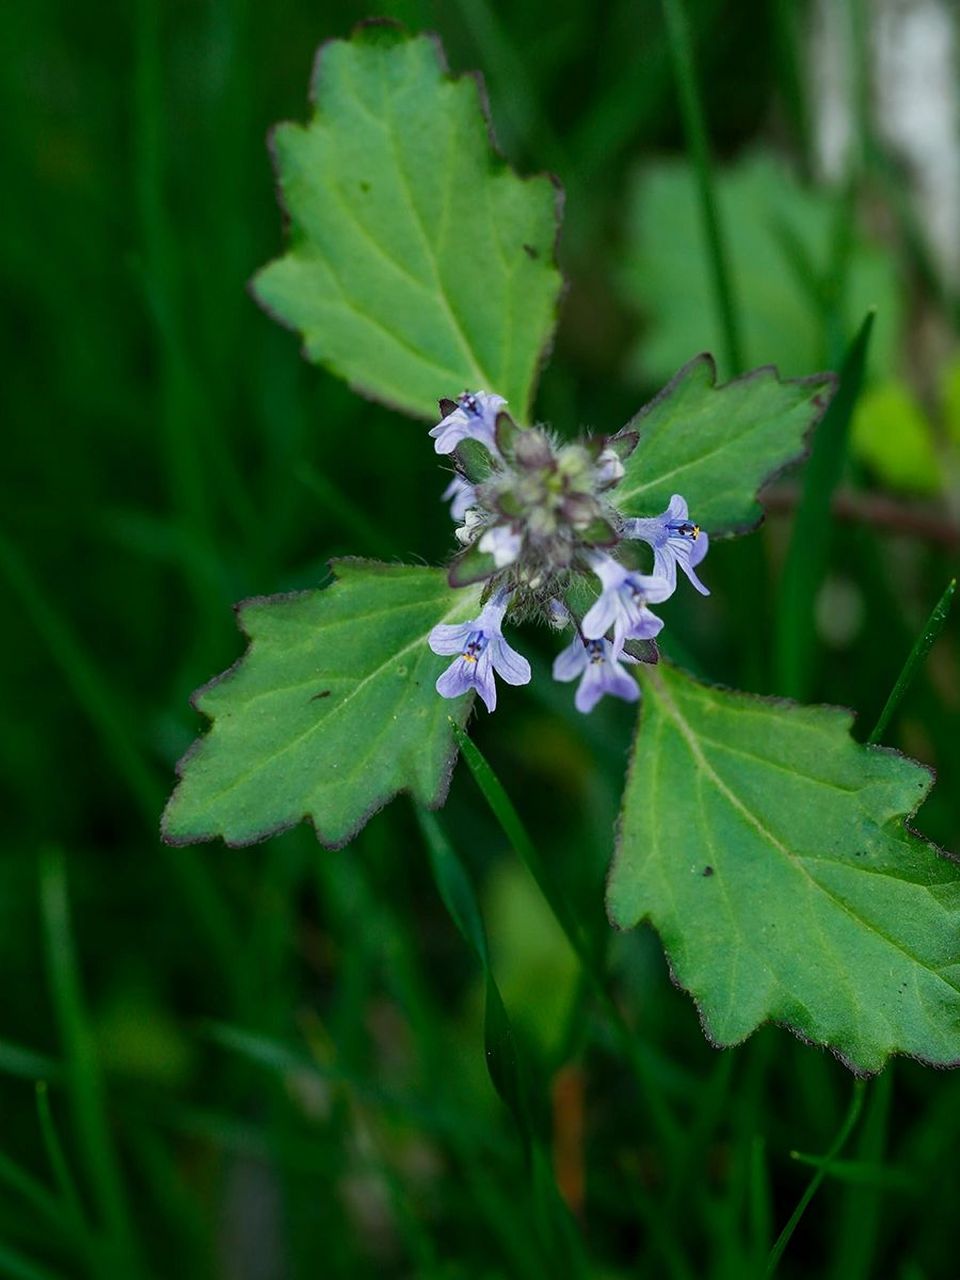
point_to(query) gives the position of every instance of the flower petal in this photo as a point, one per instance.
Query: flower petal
(698, 550)
(590, 690)
(621, 685)
(457, 679)
(648, 627)
(446, 638)
(601, 615)
(483, 678)
(508, 664)
(569, 663)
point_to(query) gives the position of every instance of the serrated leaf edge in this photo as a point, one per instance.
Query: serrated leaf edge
(500, 161)
(458, 715)
(828, 381)
(845, 713)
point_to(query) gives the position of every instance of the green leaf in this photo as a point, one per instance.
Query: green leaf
(419, 263)
(893, 435)
(329, 714)
(795, 297)
(718, 445)
(770, 852)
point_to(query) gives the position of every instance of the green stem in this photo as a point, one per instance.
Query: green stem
(694, 126)
(921, 647)
(853, 1114)
(505, 813)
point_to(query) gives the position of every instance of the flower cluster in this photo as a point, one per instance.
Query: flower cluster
(536, 523)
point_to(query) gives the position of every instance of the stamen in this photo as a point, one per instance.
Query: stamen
(595, 650)
(477, 641)
(685, 529)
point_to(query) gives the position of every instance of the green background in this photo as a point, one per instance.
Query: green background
(167, 452)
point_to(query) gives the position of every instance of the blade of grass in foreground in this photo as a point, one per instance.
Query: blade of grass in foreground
(922, 646)
(460, 900)
(850, 1120)
(503, 810)
(560, 1241)
(84, 1081)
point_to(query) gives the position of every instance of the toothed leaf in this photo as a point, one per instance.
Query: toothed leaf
(769, 851)
(330, 712)
(717, 445)
(419, 263)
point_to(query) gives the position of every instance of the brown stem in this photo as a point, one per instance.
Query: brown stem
(874, 509)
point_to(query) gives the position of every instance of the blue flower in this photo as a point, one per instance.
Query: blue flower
(600, 672)
(675, 541)
(481, 650)
(622, 604)
(503, 542)
(475, 417)
(461, 495)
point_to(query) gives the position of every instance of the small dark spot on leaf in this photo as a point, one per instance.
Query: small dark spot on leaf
(324, 693)
(708, 871)
(364, 187)
(531, 251)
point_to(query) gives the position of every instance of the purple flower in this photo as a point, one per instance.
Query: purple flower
(481, 650)
(600, 672)
(503, 543)
(675, 541)
(622, 604)
(461, 495)
(475, 417)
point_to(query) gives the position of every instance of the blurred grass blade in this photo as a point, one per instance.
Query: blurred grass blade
(454, 886)
(94, 695)
(461, 902)
(759, 1204)
(91, 691)
(922, 646)
(274, 1055)
(862, 1211)
(503, 810)
(31, 1190)
(27, 1064)
(15, 1265)
(865, 1175)
(263, 1050)
(809, 550)
(84, 1081)
(349, 514)
(790, 53)
(695, 129)
(63, 1177)
(516, 94)
(850, 1120)
(506, 1070)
